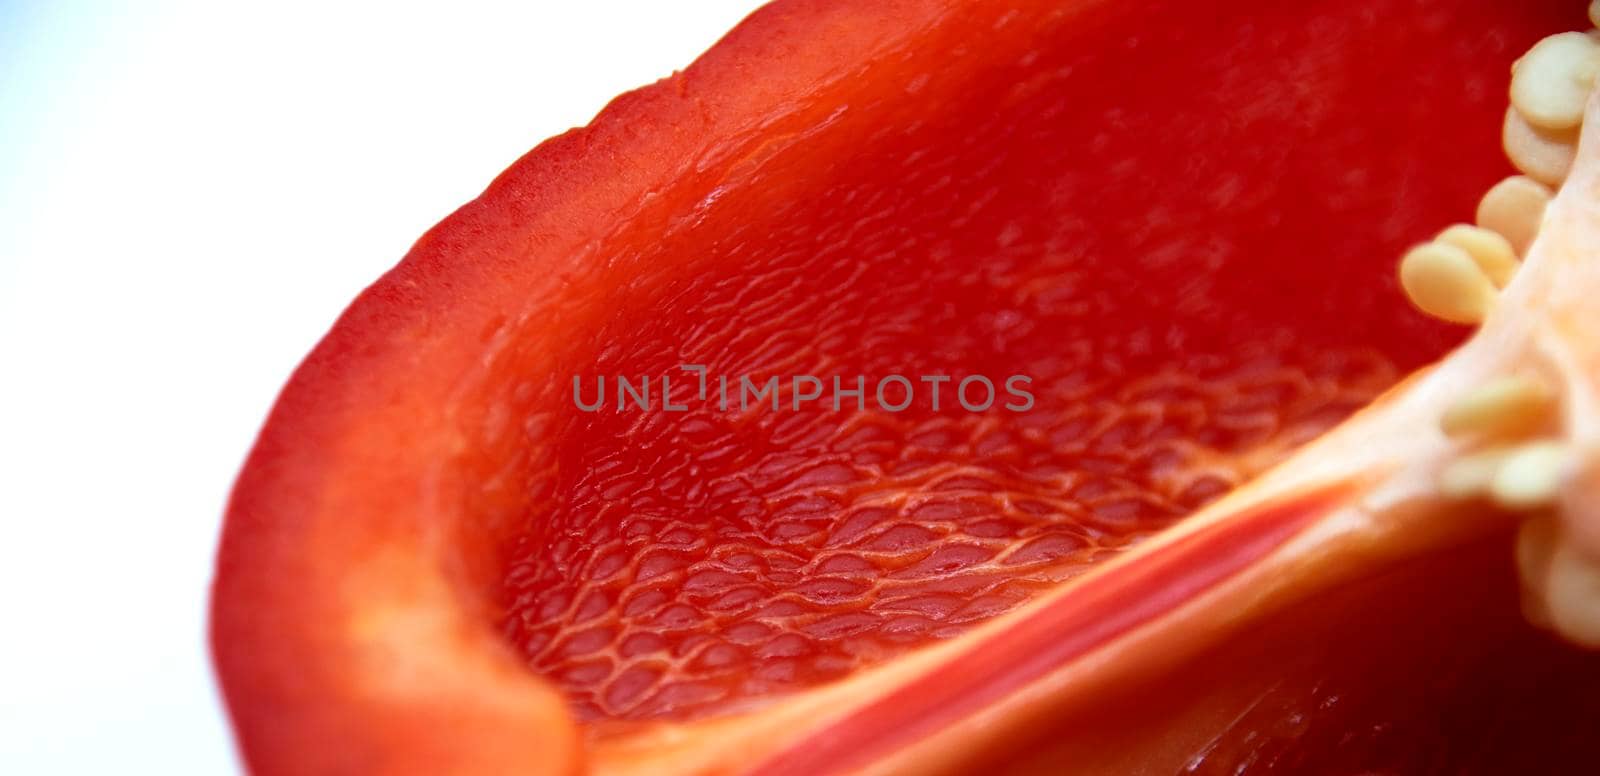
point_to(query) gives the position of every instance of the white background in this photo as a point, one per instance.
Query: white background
(190, 192)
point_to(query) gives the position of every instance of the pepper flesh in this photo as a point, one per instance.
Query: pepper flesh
(359, 580)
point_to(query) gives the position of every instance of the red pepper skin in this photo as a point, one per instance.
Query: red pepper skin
(343, 526)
